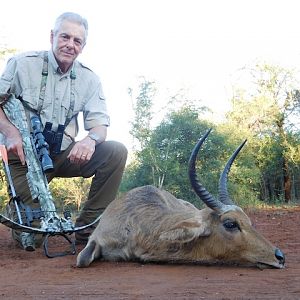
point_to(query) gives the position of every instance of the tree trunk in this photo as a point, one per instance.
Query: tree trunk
(287, 182)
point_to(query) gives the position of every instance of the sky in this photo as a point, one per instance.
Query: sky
(196, 45)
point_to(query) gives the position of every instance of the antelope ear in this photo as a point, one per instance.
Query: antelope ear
(186, 231)
(88, 254)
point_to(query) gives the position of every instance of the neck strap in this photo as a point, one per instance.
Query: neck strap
(43, 90)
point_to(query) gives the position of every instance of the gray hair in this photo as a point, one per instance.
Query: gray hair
(73, 17)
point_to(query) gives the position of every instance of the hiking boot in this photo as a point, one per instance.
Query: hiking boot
(27, 241)
(24, 240)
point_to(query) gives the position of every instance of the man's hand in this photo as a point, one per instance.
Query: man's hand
(14, 143)
(82, 151)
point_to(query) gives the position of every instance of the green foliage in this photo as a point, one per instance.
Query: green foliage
(165, 162)
(69, 192)
(142, 107)
(172, 142)
(4, 197)
(267, 115)
(262, 112)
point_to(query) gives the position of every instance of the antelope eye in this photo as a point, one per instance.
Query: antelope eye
(230, 225)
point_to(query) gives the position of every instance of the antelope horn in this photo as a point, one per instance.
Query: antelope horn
(223, 192)
(199, 189)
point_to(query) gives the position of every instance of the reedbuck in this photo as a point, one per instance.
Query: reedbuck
(151, 225)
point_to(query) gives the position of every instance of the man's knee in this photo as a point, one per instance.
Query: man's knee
(113, 150)
(121, 150)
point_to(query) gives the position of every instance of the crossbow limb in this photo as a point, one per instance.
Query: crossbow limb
(5, 220)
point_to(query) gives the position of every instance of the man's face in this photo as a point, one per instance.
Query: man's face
(67, 43)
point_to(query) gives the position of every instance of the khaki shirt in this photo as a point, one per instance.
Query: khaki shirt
(22, 77)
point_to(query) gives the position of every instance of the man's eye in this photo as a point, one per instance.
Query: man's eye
(231, 225)
(78, 42)
(64, 37)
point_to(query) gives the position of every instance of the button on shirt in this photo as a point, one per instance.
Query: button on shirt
(22, 77)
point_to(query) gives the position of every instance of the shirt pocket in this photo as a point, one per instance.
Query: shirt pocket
(65, 111)
(65, 108)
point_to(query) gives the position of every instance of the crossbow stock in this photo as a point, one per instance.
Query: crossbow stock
(22, 216)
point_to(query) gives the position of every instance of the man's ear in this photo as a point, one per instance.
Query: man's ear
(51, 37)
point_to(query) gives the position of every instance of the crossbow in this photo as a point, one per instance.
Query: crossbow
(23, 216)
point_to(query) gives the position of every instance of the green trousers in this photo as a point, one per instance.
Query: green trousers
(106, 166)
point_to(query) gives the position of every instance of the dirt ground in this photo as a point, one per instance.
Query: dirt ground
(31, 275)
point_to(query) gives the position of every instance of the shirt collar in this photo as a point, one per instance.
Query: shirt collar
(54, 64)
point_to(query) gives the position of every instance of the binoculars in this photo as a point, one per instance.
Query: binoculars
(53, 138)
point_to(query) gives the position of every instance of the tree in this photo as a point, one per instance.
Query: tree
(267, 113)
(143, 114)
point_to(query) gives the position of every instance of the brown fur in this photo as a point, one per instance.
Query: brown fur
(149, 224)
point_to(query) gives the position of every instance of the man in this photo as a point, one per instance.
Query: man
(56, 87)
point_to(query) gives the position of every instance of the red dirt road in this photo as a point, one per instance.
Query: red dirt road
(31, 275)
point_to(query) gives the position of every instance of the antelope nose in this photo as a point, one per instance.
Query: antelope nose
(280, 256)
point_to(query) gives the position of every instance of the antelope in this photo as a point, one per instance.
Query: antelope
(148, 224)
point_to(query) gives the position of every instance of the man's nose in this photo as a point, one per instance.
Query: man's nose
(70, 43)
